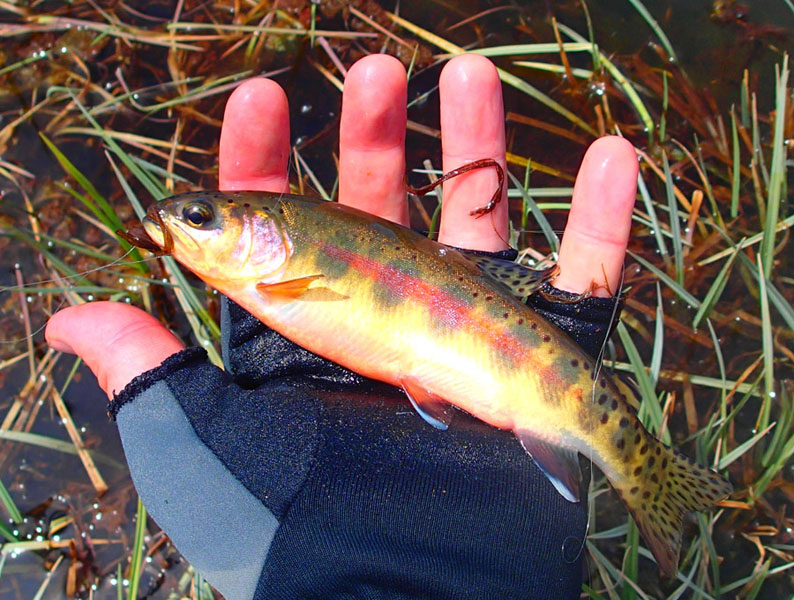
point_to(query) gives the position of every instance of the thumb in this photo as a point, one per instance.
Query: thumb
(117, 341)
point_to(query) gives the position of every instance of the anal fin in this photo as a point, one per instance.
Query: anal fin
(430, 407)
(560, 465)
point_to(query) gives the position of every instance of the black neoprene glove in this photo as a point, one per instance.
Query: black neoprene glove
(287, 476)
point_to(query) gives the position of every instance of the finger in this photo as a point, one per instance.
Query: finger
(123, 341)
(372, 138)
(472, 128)
(254, 148)
(594, 243)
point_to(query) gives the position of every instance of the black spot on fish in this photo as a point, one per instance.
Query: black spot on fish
(603, 382)
(604, 418)
(614, 404)
(634, 490)
(506, 315)
(602, 399)
(397, 248)
(489, 298)
(637, 471)
(664, 464)
(644, 449)
(620, 443)
(230, 201)
(658, 450)
(521, 321)
(654, 478)
(586, 366)
(517, 282)
(534, 325)
(624, 422)
(475, 294)
(460, 278)
(646, 495)
(546, 338)
(246, 205)
(637, 439)
(574, 363)
(651, 461)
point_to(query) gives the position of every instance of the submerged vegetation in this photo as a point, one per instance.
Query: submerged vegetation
(106, 107)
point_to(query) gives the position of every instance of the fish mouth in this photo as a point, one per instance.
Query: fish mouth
(151, 234)
(155, 228)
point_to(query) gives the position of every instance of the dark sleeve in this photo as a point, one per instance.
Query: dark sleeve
(216, 466)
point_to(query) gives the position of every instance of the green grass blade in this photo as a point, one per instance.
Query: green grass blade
(655, 225)
(675, 224)
(10, 537)
(110, 217)
(641, 375)
(58, 445)
(8, 503)
(667, 280)
(715, 291)
(630, 559)
(658, 338)
(136, 562)
(782, 429)
(767, 347)
(742, 448)
(781, 304)
(737, 172)
(777, 174)
(640, 8)
(545, 226)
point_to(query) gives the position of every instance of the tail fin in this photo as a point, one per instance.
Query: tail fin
(665, 486)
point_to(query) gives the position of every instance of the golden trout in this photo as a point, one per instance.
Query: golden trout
(446, 327)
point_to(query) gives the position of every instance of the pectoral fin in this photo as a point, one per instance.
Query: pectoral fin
(290, 289)
(560, 465)
(430, 407)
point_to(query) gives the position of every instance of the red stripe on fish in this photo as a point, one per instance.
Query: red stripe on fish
(441, 304)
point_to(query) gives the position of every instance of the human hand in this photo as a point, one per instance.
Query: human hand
(497, 501)
(254, 155)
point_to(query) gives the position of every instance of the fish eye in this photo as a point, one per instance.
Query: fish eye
(197, 214)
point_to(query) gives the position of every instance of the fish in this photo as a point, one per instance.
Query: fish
(447, 327)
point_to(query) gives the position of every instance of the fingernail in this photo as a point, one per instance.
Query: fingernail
(61, 346)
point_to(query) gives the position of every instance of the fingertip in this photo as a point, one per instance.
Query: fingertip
(472, 128)
(372, 138)
(472, 112)
(254, 145)
(599, 224)
(374, 105)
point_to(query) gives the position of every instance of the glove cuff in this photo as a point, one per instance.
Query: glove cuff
(145, 380)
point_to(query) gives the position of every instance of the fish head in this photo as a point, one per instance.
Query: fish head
(221, 237)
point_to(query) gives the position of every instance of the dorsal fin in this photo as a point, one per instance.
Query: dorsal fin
(520, 280)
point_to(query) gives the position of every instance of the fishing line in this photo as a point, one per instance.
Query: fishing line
(117, 262)
(599, 365)
(19, 288)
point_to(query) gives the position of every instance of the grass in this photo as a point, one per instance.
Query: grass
(104, 111)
